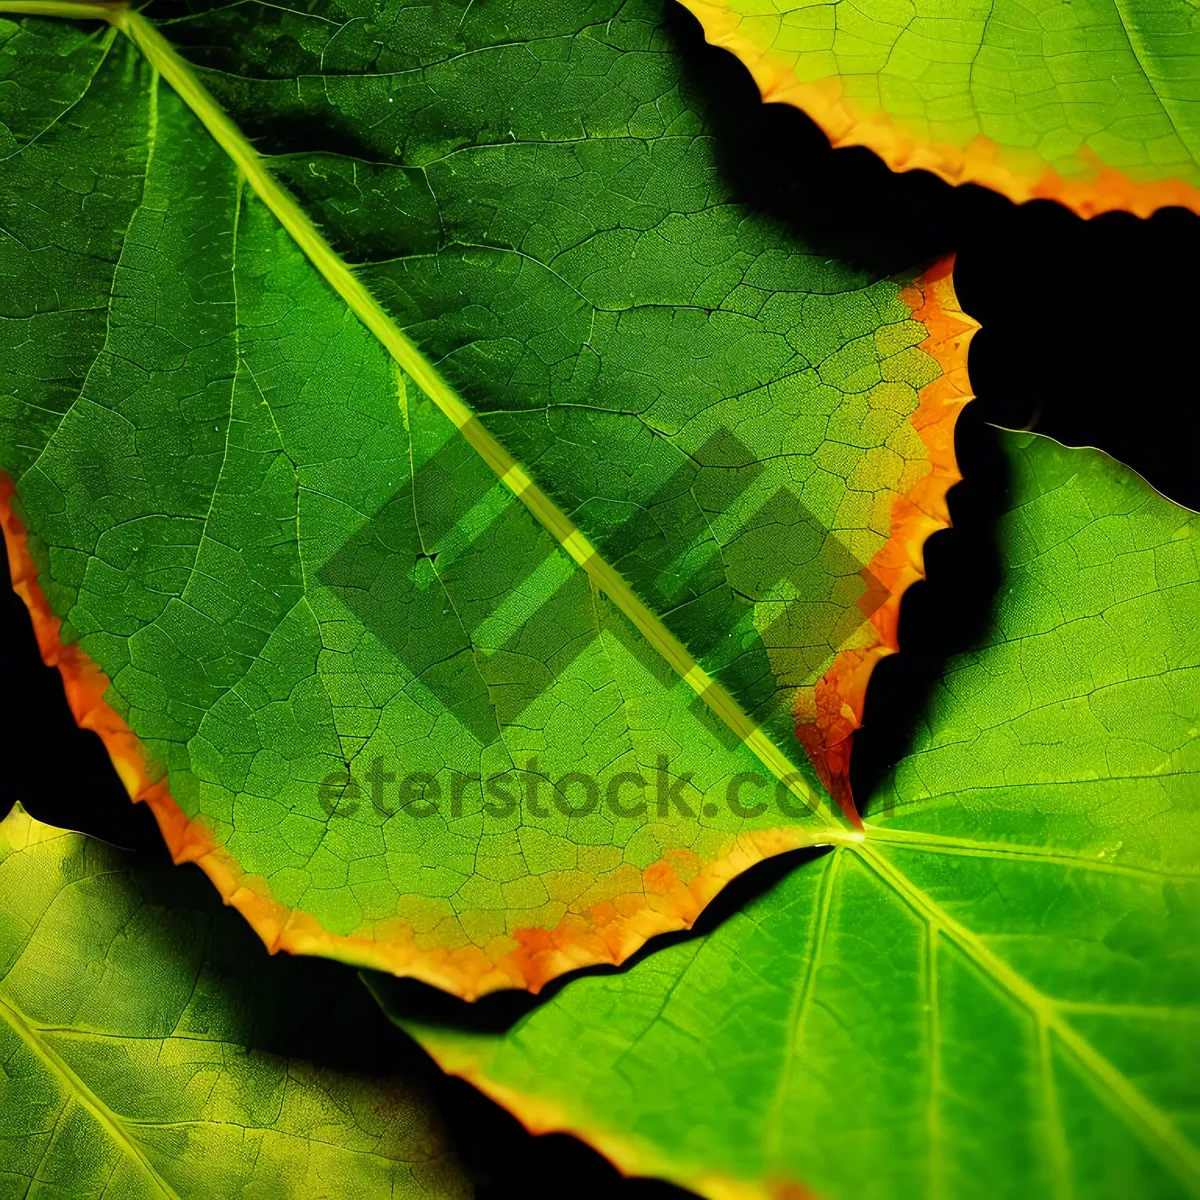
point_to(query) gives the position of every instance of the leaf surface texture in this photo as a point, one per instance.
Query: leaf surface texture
(475, 432)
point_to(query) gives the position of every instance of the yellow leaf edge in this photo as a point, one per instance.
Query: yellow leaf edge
(628, 1155)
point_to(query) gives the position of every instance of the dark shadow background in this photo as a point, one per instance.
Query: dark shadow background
(1089, 335)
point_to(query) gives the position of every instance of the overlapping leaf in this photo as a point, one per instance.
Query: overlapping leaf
(996, 993)
(131, 1034)
(1092, 103)
(332, 629)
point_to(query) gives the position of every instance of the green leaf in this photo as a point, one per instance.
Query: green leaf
(501, 449)
(129, 1031)
(1092, 103)
(998, 992)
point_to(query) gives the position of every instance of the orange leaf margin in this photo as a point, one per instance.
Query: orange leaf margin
(841, 692)
(1099, 188)
(668, 895)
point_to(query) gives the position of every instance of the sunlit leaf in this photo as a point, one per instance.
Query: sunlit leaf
(336, 629)
(997, 994)
(132, 1028)
(1092, 103)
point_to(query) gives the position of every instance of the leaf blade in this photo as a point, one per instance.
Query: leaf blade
(268, 585)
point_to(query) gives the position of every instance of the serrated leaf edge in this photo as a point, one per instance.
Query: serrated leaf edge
(1099, 188)
(917, 514)
(618, 927)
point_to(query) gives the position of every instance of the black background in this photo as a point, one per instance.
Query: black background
(1088, 335)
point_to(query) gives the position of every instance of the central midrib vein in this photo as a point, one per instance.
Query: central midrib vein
(176, 71)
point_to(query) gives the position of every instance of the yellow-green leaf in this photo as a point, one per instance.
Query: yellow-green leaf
(1093, 103)
(132, 1027)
